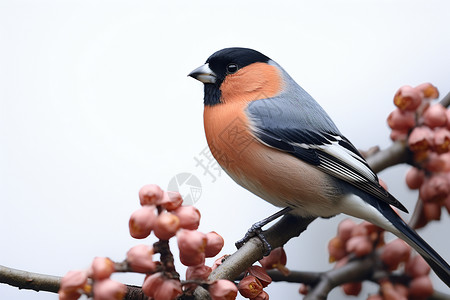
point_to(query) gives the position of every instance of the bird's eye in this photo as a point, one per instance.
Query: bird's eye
(232, 68)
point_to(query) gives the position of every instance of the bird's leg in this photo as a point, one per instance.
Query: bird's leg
(256, 230)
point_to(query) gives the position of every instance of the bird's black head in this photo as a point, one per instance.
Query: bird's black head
(221, 64)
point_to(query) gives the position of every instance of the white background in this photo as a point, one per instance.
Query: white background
(95, 102)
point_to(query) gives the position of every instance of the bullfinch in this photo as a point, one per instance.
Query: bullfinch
(275, 140)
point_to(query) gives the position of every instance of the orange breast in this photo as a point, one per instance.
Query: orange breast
(273, 175)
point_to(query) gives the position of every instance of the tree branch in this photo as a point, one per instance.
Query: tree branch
(28, 280)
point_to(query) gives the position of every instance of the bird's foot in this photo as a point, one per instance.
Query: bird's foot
(256, 230)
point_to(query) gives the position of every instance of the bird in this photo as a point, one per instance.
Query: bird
(272, 138)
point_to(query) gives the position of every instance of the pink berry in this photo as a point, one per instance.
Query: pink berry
(435, 189)
(189, 217)
(223, 290)
(352, 288)
(214, 243)
(140, 259)
(142, 221)
(192, 247)
(261, 274)
(415, 178)
(166, 225)
(262, 296)
(395, 253)
(401, 120)
(428, 90)
(359, 245)
(417, 266)
(276, 260)
(171, 200)
(421, 288)
(159, 287)
(407, 98)
(345, 229)
(250, 287)
(420, 139)
(435, 116)
(74, 281)
(108, 289)
(336, 249)
(441, 140)
(432, 211)
(198, 272)
(101, 268)
(399, 135)
(150, 194)
(68, 295)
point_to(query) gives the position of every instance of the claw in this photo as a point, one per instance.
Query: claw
(256, 230)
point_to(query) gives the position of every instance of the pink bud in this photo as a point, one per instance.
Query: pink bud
(303, 290)
(74, 281)
(262, 296)
(261, 274)
(432, 211)
(445, 158)
(199, 272)
(223, 290)
(142, 221)
(435, 189)
(139, 259)
(171, 201)
(421, 288)
(108, 289)
(68, 295)
(399, 135)
(192, 247)
(150, 194)
(359, 245)
(435, 116)
(401, 120)
(395, 253)
(336, 249)
(428, 90)
(345, 229)
(441, 140)
(389, 293)
(250, 287)
(214, 243)
(352, 288)
(407, 98)
(101, 268)
(276, 260)
(415, 178)
(417, 266)
(420, 139)
(189, 217)
(166, 225)
(158, 287)
(434, 162)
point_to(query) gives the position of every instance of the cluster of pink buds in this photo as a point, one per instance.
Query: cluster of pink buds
(426, 129)
(358, 240)
(163, 214)
(94, 282)
(256, 277)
